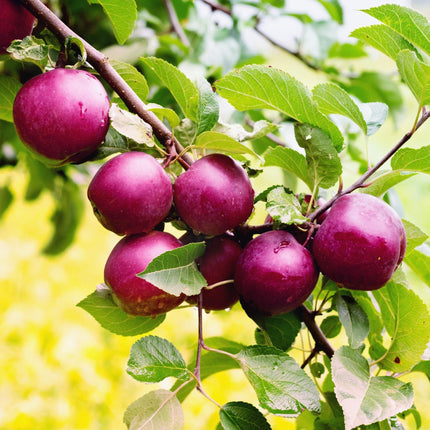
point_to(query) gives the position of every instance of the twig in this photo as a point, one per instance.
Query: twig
(216, 6)
(101, 63)
(175, 23)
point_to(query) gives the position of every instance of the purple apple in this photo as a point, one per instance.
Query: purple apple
(131, 193)
(218, 264)
(275, 274)
(16, 22)
(214, 195)
(62, 116)
(360, 243)
(130, 256)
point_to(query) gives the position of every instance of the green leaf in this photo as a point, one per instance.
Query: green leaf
(153, 359)
(289, 160)
(384, 39)
(104, 310)
(133, 77)
(331, 326)
(176, 272)
(237, 131)
(6, 198)
(219, 142)
(408, 22)
(353, 319)
(334, 8)
(208, 108)
(366, 399)
(324, 165)
(283, 207)
(416, 74)
(424, 367)
(9, 88)
(381, 184)
(419, 261)
(242, 416)
(282, 387)
(30, 49)
(263, 87)
(123, 15)
(375, 114)
(182, 89)
(158, 409)
(407, 321)
(412, 160)
(414, 236)
(164, 113)
(333, 99)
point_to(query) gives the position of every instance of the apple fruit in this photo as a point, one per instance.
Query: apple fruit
(218, 264)
(62, 116)
(213, 195)
(130, 256)
(275, 273)
(131, 193)
(360, 243)
(16, 22)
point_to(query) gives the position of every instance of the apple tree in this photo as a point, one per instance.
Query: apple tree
(163, 117)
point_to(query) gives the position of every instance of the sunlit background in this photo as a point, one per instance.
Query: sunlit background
(60, 370)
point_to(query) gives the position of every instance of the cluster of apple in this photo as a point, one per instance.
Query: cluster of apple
(62, 116)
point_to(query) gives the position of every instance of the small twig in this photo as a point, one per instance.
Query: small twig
(309, 358)
(176, 25)
(200, 342)
(216, 6)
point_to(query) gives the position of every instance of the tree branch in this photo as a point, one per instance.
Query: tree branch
(175, 23)
(109, 74)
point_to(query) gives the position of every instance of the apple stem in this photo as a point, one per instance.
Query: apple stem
(101, 63)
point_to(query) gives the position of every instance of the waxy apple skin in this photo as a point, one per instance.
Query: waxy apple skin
(62, 116)
(131, 256)
(214, 195)
(361, 242)
(16, 22)
(131, 193)
(275, 274)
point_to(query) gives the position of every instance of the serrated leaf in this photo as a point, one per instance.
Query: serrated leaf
(114, 143)
(407, 321)
(242, 416)
(133, 77)
(130, 125)
(237, 131)
(323, 162)
(289, 160)
(30, 49)
(334, 8)
(164, 113)
(416, 74)
(381, 184)
(176, 272)
(384, 39)
(158, 409)
(374, 114)
(181, 88)
(263, 87)
(103, 309)
(333, 99)
(408, 22)
(412, 160)
(419, 261)
(9, 87)
(282, 387)
(208, 108)
(153, 359)
(366, 399)
(122, 14)
(219, 142)
(353, 319)
(283, 207)
(414, 236)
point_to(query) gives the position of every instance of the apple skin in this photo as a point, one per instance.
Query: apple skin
(275, 274)
(130, 256)
(218, 264)
(62, 116)
(16, 22)
(214, 195)
(360, 243)
(131, 193)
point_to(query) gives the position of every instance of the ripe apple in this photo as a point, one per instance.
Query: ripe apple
(218, 264)
(214, 195)
(275, 274)
(130, 256)
(16, 22)
(62, 116)
(360, 243)
(131, 193)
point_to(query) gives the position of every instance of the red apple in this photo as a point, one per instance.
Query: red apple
(62, 116)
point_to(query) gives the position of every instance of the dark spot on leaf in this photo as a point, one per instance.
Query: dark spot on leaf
(397, 360)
